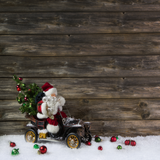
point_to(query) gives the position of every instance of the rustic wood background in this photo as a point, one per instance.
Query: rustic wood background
(103, 56)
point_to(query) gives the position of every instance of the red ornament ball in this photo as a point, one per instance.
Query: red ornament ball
(43, 149)
(113, 139)
(100, 148)
(18, 86)
(127, 142)
(20, 78)
(88, 143)
(133, 143)
(25, 98)
(12, 144)
(18, 89)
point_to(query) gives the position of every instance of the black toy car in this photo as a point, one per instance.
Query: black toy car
(73, 131)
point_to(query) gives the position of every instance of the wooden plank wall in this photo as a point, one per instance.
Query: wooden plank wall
(103, 56)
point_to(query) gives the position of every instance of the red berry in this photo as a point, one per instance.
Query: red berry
(127, 142)
(12, 144)
(18, 89)
(88, 143)
(25, 98)
(113, 139)
(43, 149)
(20, 78)
(100, 148)
(133, 143)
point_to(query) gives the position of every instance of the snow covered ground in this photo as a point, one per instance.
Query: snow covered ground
(147, 148)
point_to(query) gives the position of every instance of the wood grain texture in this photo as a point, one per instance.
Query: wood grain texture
(98, 66)
(13, 128)
(71, 88)
(81, 5)
(79, 23)
(126, 128)
(105, 128)
(80, 45)
(94, 109)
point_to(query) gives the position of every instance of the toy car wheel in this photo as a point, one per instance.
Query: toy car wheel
(31, 136)
(73, 140)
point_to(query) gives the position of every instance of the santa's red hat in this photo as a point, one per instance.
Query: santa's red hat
(49, 89)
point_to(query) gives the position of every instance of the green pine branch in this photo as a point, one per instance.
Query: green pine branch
(26, 96)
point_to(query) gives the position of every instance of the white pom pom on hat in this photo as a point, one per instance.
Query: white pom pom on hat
(49, 89)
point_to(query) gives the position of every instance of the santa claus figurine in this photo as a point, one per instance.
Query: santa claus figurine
(50, 107)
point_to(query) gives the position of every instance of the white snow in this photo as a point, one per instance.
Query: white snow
(42, 131)
(147, 148)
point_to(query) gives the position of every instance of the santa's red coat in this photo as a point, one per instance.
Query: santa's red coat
(49, 120)
(54, 121)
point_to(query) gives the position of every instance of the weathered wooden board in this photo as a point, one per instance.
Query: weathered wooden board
(82, 5)
(79, 23)
(71, 88)
(126, 128)
(94, 109)
(13, 128)
(80, 45)
(105, 128)
(97, 66)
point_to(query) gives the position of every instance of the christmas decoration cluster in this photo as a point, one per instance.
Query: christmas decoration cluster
(14, 151)
(112, 139)
(42, 149)
(26, 96)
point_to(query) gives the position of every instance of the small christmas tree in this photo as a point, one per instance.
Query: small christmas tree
(27, 96)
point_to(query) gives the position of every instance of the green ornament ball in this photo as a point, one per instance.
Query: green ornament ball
(15, 151)
(98, 139)
(23, 85)
(119, 147)
(23, 104)
(30, 106)
(36, 146)
(19, 100)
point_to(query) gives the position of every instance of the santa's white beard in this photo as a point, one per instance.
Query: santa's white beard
(52, 104)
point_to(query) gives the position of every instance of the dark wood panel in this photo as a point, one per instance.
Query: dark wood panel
(105, 128)
(94, 109)
(98, 66)
(13, 128)
(126, 128)
(80, 45)
(71, 88)
(82, 5)
(79, 23)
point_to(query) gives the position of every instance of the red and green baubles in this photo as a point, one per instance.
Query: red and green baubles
(113, 138)
(12, 144)
(100, 148)
(133, 143)
(42, 150)
(18, 88)
(119, 147)
(98, 139)
(20, 78)
(88, 143)
(15, 151)
(36, 146)
(130, 142)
